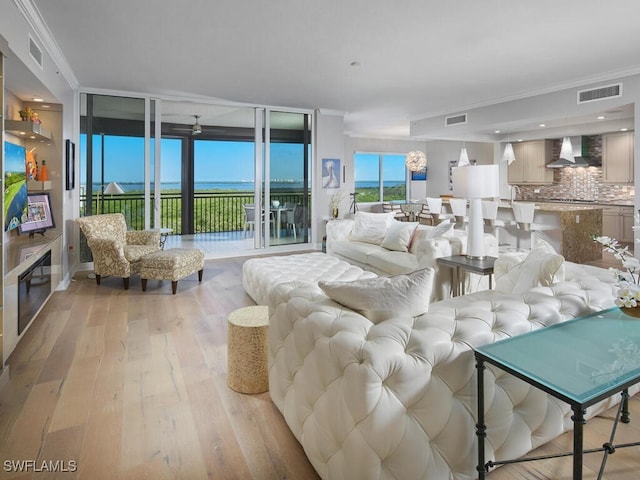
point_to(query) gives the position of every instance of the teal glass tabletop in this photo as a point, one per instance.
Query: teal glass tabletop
(581, 359)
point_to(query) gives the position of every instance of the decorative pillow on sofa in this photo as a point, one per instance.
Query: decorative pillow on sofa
(442, 228)
(384, 297)
(541, 267)
(398, 236)
(370, 227)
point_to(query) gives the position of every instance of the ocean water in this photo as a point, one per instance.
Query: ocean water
(239, 186)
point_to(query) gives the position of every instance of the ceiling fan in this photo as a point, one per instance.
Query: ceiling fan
(196, 128)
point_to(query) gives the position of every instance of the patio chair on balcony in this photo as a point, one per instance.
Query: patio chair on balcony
(293, 219)
(250, 219)
(116, 251)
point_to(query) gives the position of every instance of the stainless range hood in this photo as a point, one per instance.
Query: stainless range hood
(580, 153)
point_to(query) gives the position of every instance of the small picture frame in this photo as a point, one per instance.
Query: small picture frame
(70, 155)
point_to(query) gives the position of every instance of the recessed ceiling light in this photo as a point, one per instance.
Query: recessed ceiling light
(542, 125)
(600, 117)
(38, 99)
(46, 106)
(624, 129)
(497, 131)
(520, 140)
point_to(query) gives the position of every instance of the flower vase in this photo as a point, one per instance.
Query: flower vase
(334, 213)
(631, 311)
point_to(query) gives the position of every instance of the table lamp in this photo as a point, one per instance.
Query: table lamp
(476, 182)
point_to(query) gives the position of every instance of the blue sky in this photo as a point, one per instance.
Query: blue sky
(367, 167)
(218, 161)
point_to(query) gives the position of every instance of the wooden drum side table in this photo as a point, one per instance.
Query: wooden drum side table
(247, 354)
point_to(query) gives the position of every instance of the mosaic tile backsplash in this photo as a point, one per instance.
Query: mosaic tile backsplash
(584, 183)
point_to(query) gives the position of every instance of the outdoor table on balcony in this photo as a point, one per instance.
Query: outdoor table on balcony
(278, 211)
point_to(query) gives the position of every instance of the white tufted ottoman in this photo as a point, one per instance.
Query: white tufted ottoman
(172, 264)
(261, 275)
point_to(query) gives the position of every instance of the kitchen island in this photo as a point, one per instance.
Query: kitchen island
(568, 227)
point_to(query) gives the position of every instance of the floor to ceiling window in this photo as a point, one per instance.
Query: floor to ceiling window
(380, 177)
(207, 177)
(112, 155)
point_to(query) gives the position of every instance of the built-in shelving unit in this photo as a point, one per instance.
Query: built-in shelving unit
(30, 130)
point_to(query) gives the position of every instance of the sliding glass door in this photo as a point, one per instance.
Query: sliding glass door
(230, 173)
(288, 189)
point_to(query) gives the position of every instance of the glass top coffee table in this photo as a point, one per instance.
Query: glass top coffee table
(580, 361)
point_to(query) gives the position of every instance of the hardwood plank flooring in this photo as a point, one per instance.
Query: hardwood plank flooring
(132, 385)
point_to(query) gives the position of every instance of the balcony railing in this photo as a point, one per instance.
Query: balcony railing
(213, 212)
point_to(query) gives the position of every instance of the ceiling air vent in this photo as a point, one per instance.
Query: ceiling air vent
(35, 52)
(600, 93)
(457, 120)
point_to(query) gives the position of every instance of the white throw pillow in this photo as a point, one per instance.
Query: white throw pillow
(370, 227)
(441, 229)
(384, 297)
(539, 268)
(398, 236)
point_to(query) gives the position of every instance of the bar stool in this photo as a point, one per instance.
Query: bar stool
(435, 209)
(523, 212)
(459, 211)
(490, 216)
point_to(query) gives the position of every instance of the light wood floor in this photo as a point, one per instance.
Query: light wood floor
(133, 386)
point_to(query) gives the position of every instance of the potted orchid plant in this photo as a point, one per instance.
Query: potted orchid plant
(335, 200)
(628, 296)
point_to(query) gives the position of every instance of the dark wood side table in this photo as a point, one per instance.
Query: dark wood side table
(481, 266)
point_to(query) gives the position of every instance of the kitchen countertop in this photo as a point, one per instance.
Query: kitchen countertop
(558, 207)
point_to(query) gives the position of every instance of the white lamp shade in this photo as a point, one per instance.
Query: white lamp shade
(508, 156)
(566, 151)
(416, 161)
(113, 189)
(476, 181)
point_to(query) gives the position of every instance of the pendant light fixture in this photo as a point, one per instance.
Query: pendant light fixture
(508, 155)
(416, 161)
(463, 161)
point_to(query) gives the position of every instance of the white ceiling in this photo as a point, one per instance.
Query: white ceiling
(415, 58)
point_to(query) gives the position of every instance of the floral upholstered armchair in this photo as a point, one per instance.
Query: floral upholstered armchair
(115, 250)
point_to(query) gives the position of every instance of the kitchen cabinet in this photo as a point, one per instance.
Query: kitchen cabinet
(530, 165)
(617, 223)
(617, 157)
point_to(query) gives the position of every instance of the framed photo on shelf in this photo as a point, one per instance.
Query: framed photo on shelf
(70, 155)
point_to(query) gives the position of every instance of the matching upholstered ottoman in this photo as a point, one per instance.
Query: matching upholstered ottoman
(172, 264)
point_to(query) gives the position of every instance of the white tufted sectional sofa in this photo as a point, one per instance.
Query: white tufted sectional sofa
(425, 247)
(397, 399)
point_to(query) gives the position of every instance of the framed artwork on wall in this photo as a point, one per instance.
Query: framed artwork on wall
(330, 173)
(419, 175)
(70, 155)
